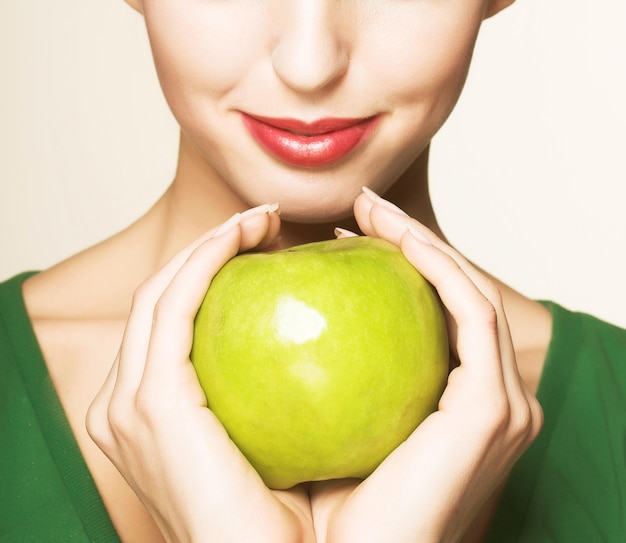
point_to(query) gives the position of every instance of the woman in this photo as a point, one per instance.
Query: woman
(319, 100)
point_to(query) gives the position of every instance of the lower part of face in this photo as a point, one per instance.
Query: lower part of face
(307, 72)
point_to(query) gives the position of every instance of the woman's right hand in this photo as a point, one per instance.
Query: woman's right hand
(151, 417)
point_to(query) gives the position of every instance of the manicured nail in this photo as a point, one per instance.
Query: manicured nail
(273, 208)
(343, 233)
(382, 202)
(260, 210)
(418, 235)
(226, 226)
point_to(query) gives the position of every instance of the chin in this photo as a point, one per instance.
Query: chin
(318, 210)
(315, 201)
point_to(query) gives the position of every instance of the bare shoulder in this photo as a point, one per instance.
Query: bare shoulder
(95, 283)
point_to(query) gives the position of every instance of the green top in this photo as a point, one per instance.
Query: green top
(569, 487)
(46, 491)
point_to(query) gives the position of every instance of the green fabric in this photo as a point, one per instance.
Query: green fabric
(569, 487)
(46, 491)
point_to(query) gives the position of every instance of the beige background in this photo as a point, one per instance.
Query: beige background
(528, 174)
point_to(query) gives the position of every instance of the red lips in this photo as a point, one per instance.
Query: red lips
(309, 145)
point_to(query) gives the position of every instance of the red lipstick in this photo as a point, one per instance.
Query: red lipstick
(309, 145)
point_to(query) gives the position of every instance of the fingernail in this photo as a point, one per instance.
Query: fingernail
(273, 208)
(382, 202)
(418, 235)
(260, 210)
(226, 226)
(343, 233)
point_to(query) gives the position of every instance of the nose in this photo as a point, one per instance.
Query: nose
(311, 50)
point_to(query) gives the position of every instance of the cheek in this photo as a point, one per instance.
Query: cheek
(198, 50)
(425, 57)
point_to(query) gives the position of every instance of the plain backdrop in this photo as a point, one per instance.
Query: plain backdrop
(528, 174)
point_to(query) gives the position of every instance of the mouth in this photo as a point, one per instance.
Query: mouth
(309, 145)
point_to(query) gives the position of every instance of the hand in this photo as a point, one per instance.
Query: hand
(434, 484)
(151, 418)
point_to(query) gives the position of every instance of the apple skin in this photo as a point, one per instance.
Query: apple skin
(321, 359)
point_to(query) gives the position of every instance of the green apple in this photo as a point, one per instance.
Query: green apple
(319, 360)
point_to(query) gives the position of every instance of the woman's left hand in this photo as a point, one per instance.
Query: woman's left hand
(432, 487)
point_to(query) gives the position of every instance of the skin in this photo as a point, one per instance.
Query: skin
(406, 61)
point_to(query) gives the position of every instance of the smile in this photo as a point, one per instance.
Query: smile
(309, 145)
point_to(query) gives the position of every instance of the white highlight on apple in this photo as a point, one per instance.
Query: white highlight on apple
(297, 322)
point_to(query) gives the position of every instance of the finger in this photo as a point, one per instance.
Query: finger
(136, 337)
(378, 217)
(172, 327)
(443, 267)
(96, 420)
(383, 219)
(474, 316)
(326, 498)
(174, 314)
(253, 218)
(483, 338)
(259, 225)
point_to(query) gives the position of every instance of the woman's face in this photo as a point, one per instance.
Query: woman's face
(302, 102)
